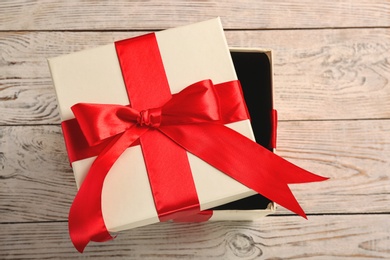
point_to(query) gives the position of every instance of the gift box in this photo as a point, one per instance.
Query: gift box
(156, 128)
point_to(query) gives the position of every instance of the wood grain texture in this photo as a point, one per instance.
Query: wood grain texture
(150, 15)
(362, 237)
(332, 92)
(327, 74)
(36, 182)
(353, 154)
(319, 74)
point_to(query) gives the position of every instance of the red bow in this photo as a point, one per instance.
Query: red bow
(197, 103)
(192, 120)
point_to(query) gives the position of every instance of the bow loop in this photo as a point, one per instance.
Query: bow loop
(195, 104)
(99, 122)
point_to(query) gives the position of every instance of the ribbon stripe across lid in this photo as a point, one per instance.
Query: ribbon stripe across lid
(147, 87)
(167, 126)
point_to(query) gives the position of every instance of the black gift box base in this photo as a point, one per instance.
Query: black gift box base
(253, 69)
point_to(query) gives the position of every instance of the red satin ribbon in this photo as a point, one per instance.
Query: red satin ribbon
(231, 105)
(166, 127)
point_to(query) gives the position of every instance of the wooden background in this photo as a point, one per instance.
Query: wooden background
(332, 91)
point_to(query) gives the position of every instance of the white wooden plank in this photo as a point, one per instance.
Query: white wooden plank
(37, 183)
(353, 154)
(144, 15)
(331, 91)
(319, 74)
(320, 237)
(327, 74)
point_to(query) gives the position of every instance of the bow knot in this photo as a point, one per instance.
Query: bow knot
(150, 117)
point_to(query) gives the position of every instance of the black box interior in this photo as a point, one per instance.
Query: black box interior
(254, 72)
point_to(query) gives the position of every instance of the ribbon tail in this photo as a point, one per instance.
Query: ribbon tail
(298, 175)
(201, 216)
(243, 160)
(86, 221)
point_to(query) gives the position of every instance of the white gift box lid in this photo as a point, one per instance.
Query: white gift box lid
(189, 54)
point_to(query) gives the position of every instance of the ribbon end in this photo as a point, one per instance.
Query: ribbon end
(201, 216)
(316, 178)
(302, 176)
(321, 178)
(79, 248)
(296, 208)
(303, 215)
(81, 234)
(80, 244)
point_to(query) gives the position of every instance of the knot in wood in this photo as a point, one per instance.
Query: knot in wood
(243, 245)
